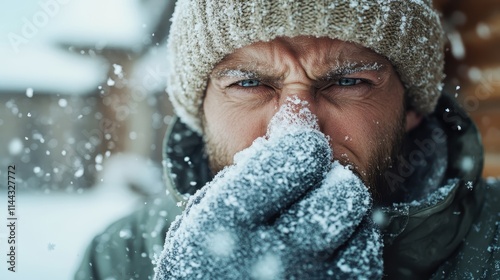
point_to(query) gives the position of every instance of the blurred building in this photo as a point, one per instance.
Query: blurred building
(82, 116)
(80, 82)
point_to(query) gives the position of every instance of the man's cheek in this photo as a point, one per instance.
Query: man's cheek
(347, 144)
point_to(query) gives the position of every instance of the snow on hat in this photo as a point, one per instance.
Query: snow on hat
(407, 32)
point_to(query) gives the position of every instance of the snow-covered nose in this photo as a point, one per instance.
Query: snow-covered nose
(293, 115)
(298, 94)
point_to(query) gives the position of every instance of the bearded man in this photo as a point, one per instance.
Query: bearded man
(313, 142)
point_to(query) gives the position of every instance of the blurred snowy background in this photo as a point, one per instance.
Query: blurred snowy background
(83, 113)
(82, 117)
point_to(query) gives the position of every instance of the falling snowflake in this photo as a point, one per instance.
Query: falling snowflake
(62, 103)
(51, 246)
(79, 172)
(110, 82)
(118, 70)
(29, 92)
(15, 146)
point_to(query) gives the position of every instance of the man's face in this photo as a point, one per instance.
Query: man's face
(356, 95)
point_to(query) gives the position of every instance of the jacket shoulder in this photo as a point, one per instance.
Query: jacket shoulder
(479, 255)
(126, 249)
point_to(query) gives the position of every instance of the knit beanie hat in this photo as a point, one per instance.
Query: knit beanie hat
(406, 32)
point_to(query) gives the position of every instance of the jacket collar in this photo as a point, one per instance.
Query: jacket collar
(420, 234)
(185, 164)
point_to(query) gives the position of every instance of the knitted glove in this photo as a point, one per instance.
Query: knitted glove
(274, 215)
(283, 210)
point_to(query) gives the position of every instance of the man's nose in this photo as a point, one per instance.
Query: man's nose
(299, 94)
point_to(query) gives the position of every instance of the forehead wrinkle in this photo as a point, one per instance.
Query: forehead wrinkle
(262, 59)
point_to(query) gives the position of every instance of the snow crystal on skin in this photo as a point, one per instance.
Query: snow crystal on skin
(348, 68)
(235, 73)
(293, 117)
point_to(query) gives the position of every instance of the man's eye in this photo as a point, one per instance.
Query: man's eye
(348, 81)
(249, 83)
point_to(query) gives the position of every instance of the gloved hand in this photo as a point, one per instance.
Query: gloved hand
(282, 211)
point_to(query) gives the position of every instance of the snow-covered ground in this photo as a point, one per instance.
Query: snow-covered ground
(54, 229)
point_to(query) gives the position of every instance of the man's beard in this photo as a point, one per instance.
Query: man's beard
(384, 157)
(217, 154)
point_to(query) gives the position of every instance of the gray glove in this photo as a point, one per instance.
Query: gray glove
(282, 211)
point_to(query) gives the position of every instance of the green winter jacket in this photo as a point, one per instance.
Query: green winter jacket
(444, 226)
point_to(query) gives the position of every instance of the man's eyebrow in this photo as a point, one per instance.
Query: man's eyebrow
(349, 68)
(236, 73)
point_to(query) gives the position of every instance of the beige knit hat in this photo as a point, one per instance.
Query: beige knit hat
(203, 32)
